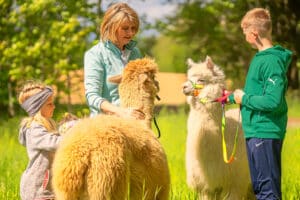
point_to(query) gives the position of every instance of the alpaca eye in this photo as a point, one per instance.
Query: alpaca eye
(200, 81)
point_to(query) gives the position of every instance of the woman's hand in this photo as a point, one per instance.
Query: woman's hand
(131, 113)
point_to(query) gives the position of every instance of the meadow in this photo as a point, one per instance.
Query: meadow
(173, 135)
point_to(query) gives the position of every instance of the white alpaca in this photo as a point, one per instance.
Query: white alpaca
(110, 158)
(207, 173)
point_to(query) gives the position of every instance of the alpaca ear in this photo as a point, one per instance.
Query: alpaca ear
(209, 63)
(142, 78)
(189, 63)
(115, 79)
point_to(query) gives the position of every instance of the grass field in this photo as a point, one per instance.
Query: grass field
(173, 134)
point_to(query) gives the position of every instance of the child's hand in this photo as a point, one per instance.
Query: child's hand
(238, 95)
(63, 128)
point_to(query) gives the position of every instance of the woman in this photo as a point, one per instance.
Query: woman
(108, 58)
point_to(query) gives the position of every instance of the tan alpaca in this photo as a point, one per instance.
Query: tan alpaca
(110, 158)
(207, 173)
(138, 87)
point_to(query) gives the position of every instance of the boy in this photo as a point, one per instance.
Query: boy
(263, 104)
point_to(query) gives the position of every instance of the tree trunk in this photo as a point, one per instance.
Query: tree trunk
(293, 74)
(11, 109)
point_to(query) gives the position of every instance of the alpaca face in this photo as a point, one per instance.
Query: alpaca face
(139, 74)
(146, 80)
(204, 78)
(150, 84)
(138, 86)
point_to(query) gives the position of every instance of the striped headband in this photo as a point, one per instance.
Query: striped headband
(34, 103)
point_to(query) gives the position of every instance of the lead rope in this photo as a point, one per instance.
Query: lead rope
(157, 128)
(155, 122)
(222, 100)
(226, 160)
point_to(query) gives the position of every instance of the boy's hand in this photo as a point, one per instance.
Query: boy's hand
(238, 95)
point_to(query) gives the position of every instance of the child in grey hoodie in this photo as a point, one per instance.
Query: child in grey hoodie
(36, 134)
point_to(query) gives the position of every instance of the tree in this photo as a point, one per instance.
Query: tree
(286, 22)
(170, 56)
(42, 39)
(213, 28)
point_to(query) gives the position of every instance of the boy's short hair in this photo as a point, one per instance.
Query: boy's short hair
(260, 20)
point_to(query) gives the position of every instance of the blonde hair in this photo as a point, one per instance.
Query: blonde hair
(260, 20)
(29, 89)
(114, 17)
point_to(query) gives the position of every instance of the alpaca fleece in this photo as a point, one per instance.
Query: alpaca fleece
(206, 171)
(107, 157)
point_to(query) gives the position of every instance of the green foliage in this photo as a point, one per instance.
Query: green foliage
(79, 111)
(170, 56)
(146, 44)
(213, 28)
(46, 39)
(42, 39)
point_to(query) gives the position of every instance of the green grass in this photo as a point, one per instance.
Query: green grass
(291, 165)
(173, 134)
(12, 162)
(173, 131)
(13, 158)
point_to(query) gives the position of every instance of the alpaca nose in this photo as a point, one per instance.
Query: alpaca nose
(186, 89)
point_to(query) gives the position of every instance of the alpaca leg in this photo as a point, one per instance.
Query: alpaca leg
(215, 194)
(162, 192)
(250, 193)
(162, 188)
(192, 163)
(204, 196)
(108, 172)
(149, 184)
(150, 178)
(68, 169)
(160, 176)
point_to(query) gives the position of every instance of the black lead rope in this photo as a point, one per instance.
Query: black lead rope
(154, 119)
(157, 128)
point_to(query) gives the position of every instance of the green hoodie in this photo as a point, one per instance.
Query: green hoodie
(264, 108)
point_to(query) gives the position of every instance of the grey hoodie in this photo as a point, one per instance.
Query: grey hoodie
(40, 145)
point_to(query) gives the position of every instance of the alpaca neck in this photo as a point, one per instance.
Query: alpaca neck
(146, 105)
(147, 109)
(208, 111)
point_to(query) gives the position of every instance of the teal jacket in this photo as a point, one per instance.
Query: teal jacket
(263, 107)
(101, 62)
